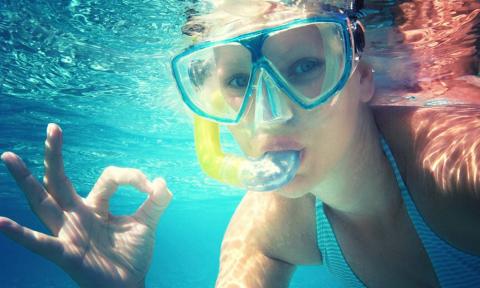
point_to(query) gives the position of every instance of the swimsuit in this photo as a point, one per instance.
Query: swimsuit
(453, 267)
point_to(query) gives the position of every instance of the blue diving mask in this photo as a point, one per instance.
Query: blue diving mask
(308, 60)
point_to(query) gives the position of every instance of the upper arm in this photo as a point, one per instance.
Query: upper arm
(249, 267)
(266, 237)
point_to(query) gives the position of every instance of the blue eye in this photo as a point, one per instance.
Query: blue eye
(305, 66)
(238, 81)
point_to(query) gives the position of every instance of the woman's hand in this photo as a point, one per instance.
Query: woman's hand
(94, 247)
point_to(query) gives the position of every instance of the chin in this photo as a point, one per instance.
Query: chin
(296, 188)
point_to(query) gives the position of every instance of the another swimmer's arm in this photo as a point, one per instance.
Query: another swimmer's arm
(242, 261)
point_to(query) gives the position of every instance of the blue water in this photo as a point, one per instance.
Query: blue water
(100, 69)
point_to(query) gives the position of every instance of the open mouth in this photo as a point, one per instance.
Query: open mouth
(301, 153)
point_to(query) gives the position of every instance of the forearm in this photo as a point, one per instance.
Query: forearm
(238, 269)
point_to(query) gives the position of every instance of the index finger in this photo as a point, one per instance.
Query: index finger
(108, 182)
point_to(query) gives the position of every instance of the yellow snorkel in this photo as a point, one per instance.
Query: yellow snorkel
(269, 172)
(214, 162)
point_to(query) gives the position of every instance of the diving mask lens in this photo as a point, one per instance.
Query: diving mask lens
(311, 63)
(306, 59)
(215, 80)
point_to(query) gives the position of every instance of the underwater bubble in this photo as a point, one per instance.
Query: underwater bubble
(66, 60)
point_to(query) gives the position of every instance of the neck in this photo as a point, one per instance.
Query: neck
(362, 185)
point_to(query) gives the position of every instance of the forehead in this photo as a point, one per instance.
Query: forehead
(237, 25)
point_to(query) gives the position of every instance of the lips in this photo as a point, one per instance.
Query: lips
(270, 143)
(280, 144)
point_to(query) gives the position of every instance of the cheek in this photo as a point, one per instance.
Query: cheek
(234, 101)
(242, 136)
(331, 134)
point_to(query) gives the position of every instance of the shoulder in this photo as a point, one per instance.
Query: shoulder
(441, 144)
(279, 227)
(437, 151)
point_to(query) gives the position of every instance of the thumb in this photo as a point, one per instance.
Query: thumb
(156, 203)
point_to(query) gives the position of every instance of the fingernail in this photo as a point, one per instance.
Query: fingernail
(160, 182)
(49, 129)
(5, 155)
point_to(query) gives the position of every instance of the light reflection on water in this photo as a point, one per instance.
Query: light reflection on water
(424, 50)
(100, 70)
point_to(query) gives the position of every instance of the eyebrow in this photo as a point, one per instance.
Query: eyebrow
(230, 60)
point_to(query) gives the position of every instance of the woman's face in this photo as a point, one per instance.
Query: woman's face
(324, 134)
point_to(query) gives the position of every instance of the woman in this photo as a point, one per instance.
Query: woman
(291, 82)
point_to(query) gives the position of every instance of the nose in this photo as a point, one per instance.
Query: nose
(271, 105)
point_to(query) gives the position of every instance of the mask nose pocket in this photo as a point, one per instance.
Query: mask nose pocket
(271, 105)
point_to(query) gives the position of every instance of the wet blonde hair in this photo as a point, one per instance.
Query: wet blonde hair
(228, 17)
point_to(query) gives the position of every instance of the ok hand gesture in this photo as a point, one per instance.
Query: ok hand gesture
(94, 247)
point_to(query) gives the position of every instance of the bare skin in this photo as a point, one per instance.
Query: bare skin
(283, 234)
(271, 233)
(94, 247)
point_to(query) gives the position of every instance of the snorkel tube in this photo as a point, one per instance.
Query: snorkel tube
(269, 172)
